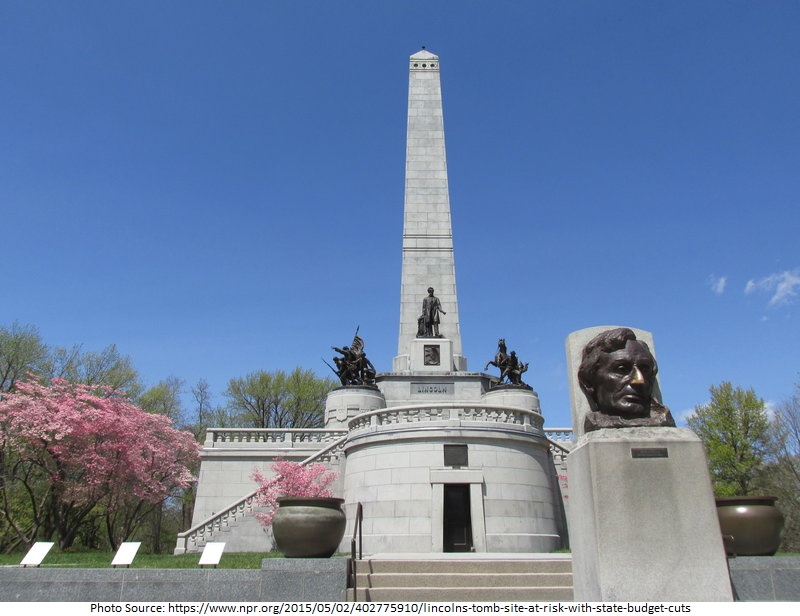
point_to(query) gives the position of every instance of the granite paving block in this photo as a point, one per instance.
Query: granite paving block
(234, 590)
(165, 590)
(766, 578)
(752, 585)
(786, 584)
(87, 591)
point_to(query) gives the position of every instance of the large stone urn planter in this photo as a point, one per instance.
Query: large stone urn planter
(306, 527)
(754, 522)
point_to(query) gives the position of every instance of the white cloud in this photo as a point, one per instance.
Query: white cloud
(717, 283)
(783, 286)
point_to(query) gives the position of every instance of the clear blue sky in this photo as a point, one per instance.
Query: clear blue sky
(217, 187)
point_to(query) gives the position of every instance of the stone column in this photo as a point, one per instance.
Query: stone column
(427, 233)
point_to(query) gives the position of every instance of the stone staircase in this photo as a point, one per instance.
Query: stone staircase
(238, 517)
(501, 577)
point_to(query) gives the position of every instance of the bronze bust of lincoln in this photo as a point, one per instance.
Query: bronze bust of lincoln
(617, 375)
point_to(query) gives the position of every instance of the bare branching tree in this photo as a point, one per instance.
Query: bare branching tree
(782, 476)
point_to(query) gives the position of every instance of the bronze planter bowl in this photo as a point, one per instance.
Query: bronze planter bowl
(308, 527)
(754, 522)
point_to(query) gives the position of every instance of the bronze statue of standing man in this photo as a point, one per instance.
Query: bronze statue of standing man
(429, 321)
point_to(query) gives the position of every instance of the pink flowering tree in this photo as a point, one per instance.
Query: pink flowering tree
(291, 479)
(70, 452)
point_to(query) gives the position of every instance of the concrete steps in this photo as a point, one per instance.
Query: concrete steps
(540, 578)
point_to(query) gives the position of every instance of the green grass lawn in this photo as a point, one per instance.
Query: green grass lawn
(101, 560)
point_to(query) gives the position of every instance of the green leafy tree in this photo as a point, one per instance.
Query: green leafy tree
(734, 426)
(105, 369)
(164, 398)
(21, 351)
(277, 400)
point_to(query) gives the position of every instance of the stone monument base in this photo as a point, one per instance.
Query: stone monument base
(344, 403)
(643, 523)
(513, 395)
(430, 355)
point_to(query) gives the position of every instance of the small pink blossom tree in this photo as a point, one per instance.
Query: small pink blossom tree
(79, 451)
(291, 479)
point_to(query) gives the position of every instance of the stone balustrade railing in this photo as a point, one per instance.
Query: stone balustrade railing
(507, 415)
(203, 532)
(316, 435)
(285, 437)
(560, 440)
(563, 435)
(200, 534)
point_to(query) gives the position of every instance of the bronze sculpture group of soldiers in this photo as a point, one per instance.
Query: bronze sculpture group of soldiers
(353, 368)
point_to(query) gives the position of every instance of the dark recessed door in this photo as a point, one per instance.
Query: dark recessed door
(457, 518)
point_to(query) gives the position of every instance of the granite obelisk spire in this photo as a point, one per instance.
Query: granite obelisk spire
(427, 233)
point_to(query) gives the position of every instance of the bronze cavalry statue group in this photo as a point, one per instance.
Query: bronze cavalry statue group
(511, 368)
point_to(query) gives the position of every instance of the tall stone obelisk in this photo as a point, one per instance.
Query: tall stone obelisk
(427, 233)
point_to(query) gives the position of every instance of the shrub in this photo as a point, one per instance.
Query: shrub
(291, 479)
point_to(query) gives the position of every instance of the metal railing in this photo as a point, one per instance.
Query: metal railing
(353, 557)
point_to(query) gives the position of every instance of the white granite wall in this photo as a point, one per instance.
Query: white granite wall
(226, 476)
(400, 484)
